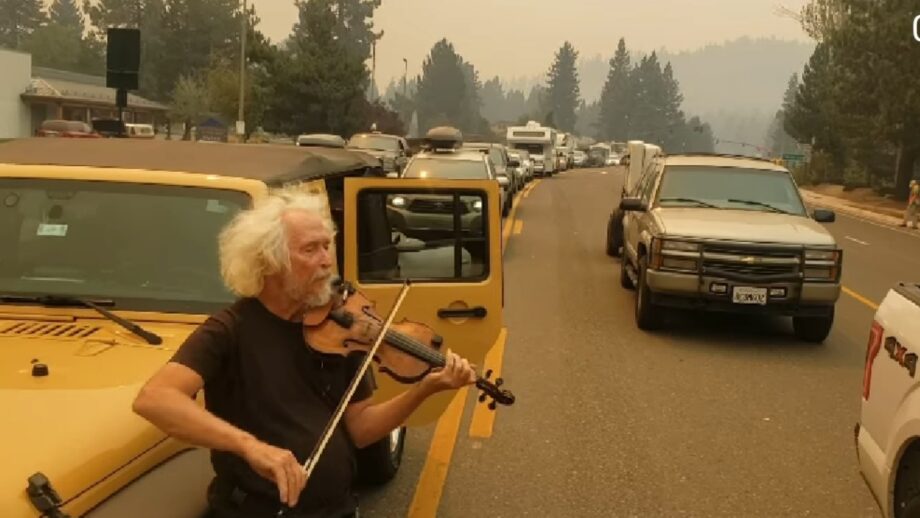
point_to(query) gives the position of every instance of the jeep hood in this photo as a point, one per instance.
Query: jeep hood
(742, 225)
(74, 424)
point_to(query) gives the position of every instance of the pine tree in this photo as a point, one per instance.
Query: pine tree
(66, 13)
(563, 94)
(18, 20)
(442, 97)
(615, 97)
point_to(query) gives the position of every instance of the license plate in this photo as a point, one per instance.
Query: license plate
(747, 295)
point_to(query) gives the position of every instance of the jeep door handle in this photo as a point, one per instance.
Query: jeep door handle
(473, 312)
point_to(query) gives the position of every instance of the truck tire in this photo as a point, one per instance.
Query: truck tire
(813, 329)
(648, 317)
(615, 234)
(907, 484)
(379, 462)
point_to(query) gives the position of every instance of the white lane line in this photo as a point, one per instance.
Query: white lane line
(603, 172)
(853, 239)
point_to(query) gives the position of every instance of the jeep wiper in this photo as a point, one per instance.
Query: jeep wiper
(64, 300)
(701, 203)
(760, 204)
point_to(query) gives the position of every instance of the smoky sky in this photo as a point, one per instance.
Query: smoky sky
(515, 38)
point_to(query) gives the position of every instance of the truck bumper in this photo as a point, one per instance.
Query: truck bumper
(692, 291)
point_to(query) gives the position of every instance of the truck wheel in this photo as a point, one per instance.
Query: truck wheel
(907, 484)
(614, 236)
(813, 329)
(647, 317)
(379, 462)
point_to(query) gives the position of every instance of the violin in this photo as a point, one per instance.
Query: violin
(406, 351)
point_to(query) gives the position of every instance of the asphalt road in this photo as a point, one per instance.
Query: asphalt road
(713, 416)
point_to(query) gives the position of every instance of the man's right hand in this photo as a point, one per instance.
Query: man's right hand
(279, 466)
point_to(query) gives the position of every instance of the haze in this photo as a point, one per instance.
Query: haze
(514, 38)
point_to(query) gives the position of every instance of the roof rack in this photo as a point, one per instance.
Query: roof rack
(724, 155)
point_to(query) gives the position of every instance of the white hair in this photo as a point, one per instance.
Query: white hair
(254, 245)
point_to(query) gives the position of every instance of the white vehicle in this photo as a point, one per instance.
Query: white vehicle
(641, 156)
(537, 140)
(888, 431)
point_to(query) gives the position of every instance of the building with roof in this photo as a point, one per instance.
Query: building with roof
(30, 95)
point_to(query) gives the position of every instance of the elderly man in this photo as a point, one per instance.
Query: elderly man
(268, 396)
(913, 206)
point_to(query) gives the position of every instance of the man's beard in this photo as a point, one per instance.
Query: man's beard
(300, 292)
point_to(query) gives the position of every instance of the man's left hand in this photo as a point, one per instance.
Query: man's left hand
(456, 373)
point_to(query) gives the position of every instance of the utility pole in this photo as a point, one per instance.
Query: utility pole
(244, 28)
(374, 67)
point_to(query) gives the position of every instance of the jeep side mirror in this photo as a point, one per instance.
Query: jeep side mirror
(824, 216)
(633, 204)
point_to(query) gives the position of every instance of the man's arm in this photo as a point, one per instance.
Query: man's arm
(167, 402)
(367, 423)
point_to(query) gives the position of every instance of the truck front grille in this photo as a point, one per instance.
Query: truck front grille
(752, 261)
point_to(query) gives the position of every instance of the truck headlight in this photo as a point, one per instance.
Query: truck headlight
(674, 254)
(822, 264)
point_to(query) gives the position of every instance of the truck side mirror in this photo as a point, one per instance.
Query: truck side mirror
(633, 204)
(824, 216)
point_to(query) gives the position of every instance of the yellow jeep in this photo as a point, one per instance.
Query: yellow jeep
(109, 260)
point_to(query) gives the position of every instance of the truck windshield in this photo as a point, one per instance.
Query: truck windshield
(730, 187)
(449, 169)
(145, 247)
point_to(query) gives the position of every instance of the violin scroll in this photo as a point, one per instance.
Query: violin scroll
(492, 390)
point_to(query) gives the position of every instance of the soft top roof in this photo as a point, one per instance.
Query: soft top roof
(270, 163)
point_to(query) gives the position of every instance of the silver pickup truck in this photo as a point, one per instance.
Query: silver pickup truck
(727, 233)
(888, 431)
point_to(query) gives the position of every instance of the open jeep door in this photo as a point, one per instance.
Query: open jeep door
(445, 237)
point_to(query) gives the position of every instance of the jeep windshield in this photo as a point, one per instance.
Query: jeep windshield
(449, 169)
(729, 188)
(144, 247)
(374, 142)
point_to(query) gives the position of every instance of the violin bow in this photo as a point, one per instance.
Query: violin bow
(310, 464)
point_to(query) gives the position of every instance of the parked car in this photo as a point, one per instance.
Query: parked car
(730, 234)
(888, 430)
(498, 154)
(320, 140)
(110, 260)
(140, 131)
(392, 150)
(66, 129)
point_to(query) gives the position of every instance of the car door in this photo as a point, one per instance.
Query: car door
(442, 235)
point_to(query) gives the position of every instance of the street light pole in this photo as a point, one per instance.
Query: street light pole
(240, 121)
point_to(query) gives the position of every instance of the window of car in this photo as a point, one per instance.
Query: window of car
(146, 247)
(730, 188)
(423, 235)
(454, 169)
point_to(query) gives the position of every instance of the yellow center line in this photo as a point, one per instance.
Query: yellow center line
(484, 419)
(518, 227)
(427, 496)
(860, 298)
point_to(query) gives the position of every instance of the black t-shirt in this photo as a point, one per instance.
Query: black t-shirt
(261, 377)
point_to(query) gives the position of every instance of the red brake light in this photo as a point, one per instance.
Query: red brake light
(872, 349)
